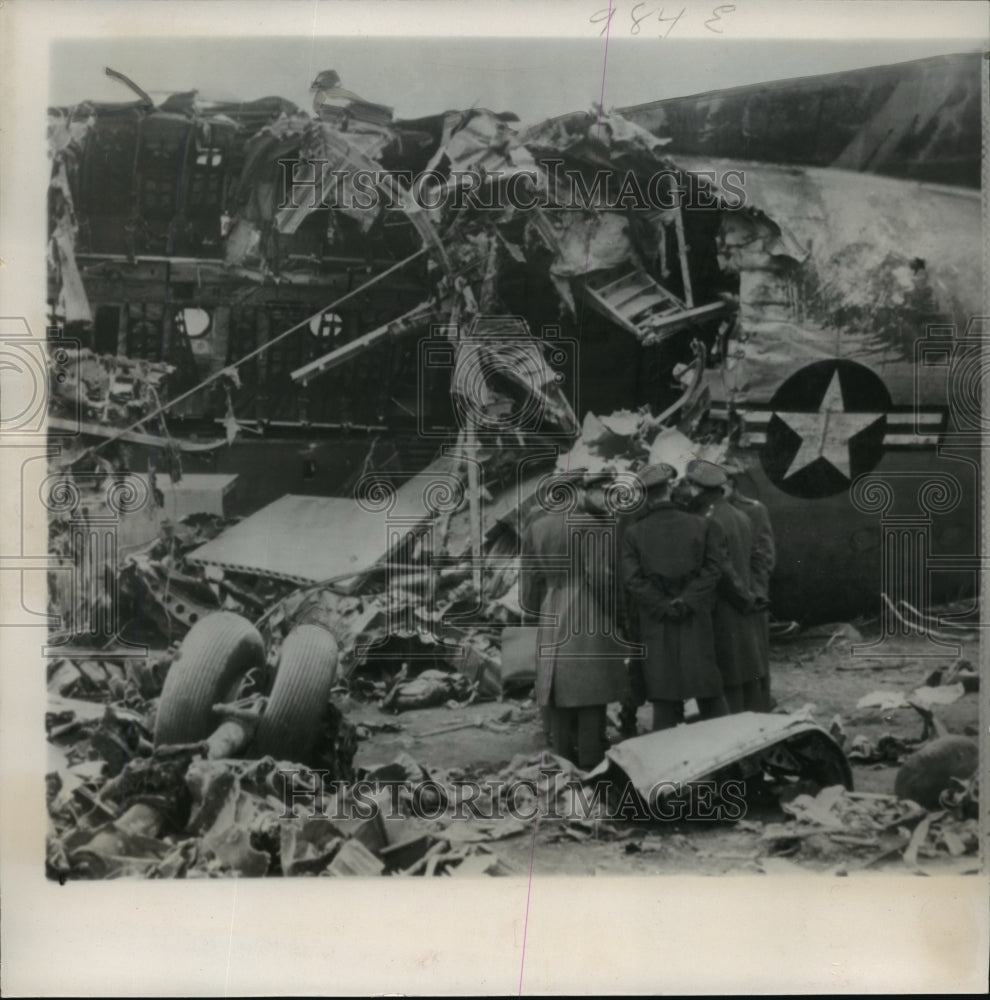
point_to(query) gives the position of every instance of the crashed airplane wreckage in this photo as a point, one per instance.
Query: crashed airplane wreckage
(468, 295)
(196, 265)
(275, 307)
(388, 336)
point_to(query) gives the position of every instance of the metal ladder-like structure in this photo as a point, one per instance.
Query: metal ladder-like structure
(633, 299)
(640, 304)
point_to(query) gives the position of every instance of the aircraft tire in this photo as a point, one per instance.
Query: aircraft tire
(213, 657)
(307, 669)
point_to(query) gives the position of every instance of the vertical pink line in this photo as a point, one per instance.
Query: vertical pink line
(529, 891)
(536, 824)
(601, 99)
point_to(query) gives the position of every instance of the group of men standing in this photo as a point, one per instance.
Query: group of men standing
(689, 584)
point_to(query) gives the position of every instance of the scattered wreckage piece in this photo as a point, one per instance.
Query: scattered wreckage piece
(947, 839)
(961, 672)
(430, 687)
(876, 827)
(929, 624)
(748, 743)
(104, 388)
(889, 747)
(164, 589)
(175, 601)
(923, 697)
(837, 821)
(410, 583)
(229, 817)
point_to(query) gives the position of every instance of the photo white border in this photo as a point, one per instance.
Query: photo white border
(313, 936)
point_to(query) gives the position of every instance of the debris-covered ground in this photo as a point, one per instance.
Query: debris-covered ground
(119, 806)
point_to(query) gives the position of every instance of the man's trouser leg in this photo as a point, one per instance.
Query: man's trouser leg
(765, 693)
(764, 626)
(752, 696)
(562, 731)
(712, 708)
(667, 714)
(734, 698)
(637, 695)
(546, 721)
(590, 738)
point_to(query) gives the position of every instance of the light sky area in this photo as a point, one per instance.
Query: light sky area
(536, 78)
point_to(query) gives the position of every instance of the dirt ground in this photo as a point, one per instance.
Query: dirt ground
(808, 674)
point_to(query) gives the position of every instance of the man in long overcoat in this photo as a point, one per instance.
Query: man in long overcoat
(670, 568)
(737, 646)
(628, 619)
(763, 558)
(567, 575)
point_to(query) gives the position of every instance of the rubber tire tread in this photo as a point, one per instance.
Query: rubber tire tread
(307, 669)
(215, 653)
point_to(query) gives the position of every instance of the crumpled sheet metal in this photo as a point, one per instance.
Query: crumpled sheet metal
(481, 141)
(594, 243)
(298, 538)
(822, 212)
(309, 539)
(346, 154)
(836, 823)
(72, 299)
(677, 449)
(691, 752)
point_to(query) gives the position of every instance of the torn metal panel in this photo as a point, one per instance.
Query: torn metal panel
(672, 447)
(482, 141)
(840, 265)
(590, 243)
(312, 539)
(595, 137)
(302, 539)
(690, 752)
(72, 302)
(506, 506)
(344, 154)
(500, 367)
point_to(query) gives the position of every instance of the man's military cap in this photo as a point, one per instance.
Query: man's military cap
(705, 474)
(657, 475)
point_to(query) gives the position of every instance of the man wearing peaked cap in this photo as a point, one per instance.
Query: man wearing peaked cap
(564, 579)
(763, 558)
(707, 475)
(652, 478)
(670, 568)
(737, 644)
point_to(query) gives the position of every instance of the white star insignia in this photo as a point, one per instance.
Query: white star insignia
(827, 432)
